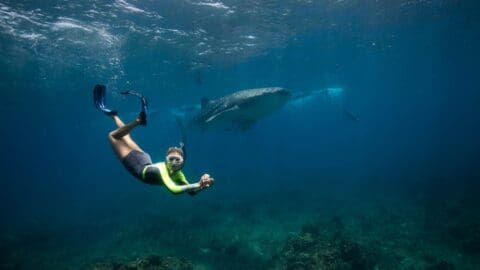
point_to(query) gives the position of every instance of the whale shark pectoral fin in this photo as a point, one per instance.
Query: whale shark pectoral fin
(350, 115)
(234, 108)
(244, 124)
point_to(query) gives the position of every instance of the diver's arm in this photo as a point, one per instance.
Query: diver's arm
(205, 182)
(177, 189)
(183, 179)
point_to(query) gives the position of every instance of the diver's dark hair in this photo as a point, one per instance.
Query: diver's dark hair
(175, 149)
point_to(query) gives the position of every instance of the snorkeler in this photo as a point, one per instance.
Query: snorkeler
(137, 161)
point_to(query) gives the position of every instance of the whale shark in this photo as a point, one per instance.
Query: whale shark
(240, 110)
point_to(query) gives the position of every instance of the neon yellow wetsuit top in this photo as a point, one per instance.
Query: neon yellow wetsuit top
(175, 181)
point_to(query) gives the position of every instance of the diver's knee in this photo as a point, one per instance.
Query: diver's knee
(112, 137)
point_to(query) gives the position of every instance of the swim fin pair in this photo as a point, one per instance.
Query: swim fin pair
(99, 92)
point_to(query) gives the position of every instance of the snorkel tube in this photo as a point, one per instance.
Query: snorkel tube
(183, 137)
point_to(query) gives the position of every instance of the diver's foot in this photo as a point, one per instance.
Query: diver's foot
(143, 113)
(111, 113)
(142, 118)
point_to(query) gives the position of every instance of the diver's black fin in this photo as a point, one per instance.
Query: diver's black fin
(144, 106)
(143, 118)
(99, 100)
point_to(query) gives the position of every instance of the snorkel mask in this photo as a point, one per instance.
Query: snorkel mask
(175, 158)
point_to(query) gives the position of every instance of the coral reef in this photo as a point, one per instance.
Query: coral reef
(232, 253)
(314, 249)
(148, 263)
(443, 265)
(468, 234)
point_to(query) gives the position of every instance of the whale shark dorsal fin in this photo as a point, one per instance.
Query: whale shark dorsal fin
(204, 101)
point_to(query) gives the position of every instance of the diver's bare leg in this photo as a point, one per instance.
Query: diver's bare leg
(120, 138)
(118, 121)
(120, 124)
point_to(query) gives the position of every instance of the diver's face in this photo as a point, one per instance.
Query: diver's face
(175, 160)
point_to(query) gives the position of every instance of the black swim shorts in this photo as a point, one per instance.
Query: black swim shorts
(135, 161)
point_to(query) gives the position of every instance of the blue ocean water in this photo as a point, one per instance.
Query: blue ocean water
(306, 188)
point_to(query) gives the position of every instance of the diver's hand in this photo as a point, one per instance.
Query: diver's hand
(206, 181)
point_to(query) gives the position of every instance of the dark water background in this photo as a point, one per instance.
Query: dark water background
(409, 69)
